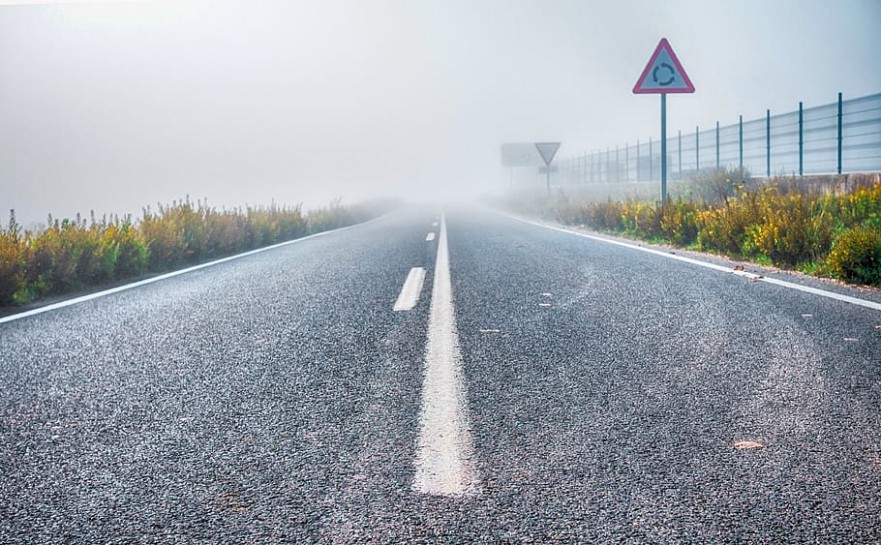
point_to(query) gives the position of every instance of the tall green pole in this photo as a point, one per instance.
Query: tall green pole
(718, 160)
(839, 132)
(740, 145)
(768, 142)
(663, 148)
(801, 140)
(637, 161)
(679, 152)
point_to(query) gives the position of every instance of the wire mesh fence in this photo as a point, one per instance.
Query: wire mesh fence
(841, 137)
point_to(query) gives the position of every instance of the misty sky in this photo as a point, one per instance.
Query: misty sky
(112, 106)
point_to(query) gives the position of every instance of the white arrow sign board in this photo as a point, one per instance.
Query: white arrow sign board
(547, 150)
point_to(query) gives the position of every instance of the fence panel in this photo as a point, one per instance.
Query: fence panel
(805, 141)
(784, 144)
(861, 134)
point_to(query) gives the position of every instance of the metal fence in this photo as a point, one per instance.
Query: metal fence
(841, 137)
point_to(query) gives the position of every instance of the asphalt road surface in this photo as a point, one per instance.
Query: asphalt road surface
(544, 387)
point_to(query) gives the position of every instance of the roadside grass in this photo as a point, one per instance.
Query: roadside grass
(832, 230)
(75, 254)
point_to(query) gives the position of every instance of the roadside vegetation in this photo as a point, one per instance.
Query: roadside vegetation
(824, 229)
(76, 254)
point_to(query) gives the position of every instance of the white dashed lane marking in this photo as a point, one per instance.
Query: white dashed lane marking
(409, 295)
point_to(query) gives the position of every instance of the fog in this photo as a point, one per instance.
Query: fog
(113, 106)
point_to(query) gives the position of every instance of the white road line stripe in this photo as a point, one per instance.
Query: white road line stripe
(430, 237)
(445, 453)
(133, 285)
(409, 295)
(822, 293)
(754, 277)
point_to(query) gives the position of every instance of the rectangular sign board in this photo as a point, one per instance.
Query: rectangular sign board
(520, 154)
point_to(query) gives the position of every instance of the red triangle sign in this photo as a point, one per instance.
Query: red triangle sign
(663, 73)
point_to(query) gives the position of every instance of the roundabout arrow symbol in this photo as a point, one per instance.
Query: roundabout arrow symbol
(672, 74)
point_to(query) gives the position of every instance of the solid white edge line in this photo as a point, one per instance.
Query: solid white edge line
(754, 277)
(165, 276)
(411, 290)
(444, 460)
(823, 293)
(429, 237)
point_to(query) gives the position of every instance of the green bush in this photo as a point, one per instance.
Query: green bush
(856, 256)
(75, 254)
(679, 222)
(132, 254)
(715, 185)
(724, 227)
(10, 261)
(779, 223)
(794, 229)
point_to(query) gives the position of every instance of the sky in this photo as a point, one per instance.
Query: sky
(112, 106)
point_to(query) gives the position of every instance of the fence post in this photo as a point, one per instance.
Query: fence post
(608, 160)
(740, 144)
(594, 165)
(679, 170)
(839, 133)
(718, 162)
(637, 160)
(768, 142)
(801, 139)
(617, 165)
(589, 164)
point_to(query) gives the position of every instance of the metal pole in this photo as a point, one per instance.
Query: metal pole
(608, 160)
(593, 167)
(718, 159)
(768, 141)
(801, 139)
(651, 161)
(637, 160)
(627, 162)
(584, 168)
(617, 166)
(697, 148)
(548, 172)
(590, 166)
(839, 132)
(679, 171)
(663, 148)
(740, 144)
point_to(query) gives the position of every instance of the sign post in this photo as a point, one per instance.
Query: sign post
(547, 150)
(663, 74)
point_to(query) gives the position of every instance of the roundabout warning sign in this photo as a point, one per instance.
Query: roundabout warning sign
(663, 73)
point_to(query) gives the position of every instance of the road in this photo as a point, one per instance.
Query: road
(544, 387)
